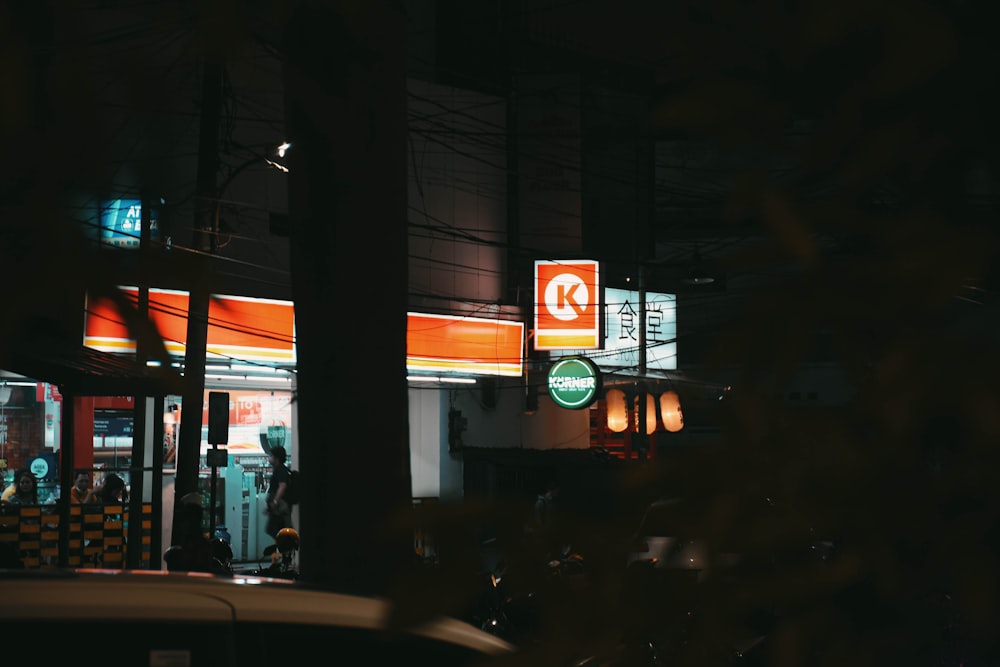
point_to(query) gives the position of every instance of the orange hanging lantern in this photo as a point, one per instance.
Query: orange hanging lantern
(617, 413)
(670, 411)
(650, 414)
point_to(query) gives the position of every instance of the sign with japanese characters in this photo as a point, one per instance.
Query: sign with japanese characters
(567, 304)
(621, 331)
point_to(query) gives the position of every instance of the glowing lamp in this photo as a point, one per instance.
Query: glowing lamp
(650, 414)
(617, 412)
(670, 411)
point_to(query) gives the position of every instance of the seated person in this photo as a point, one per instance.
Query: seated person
(111, 490)
(24, 490)
(81, 492)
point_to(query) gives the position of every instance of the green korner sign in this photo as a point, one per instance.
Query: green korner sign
(574, 383)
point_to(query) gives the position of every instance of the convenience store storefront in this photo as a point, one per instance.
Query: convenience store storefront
(95, 407)
(250, 356)
(47, 399)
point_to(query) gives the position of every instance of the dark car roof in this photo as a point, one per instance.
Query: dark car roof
(114, 596)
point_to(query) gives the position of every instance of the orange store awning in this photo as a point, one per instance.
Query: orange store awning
(244, 328)
(470, 345)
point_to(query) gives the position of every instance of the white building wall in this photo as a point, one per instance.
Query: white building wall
(425, 445)
(457, 263)
(452, 468)
(434, 472)
(457, 194)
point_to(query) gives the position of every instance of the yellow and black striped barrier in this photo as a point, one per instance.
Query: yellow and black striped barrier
(97, 535)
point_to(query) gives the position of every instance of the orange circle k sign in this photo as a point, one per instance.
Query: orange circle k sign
(567, 304)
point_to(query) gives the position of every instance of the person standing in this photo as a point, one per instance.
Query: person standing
(278, 511)
(544, 512)
(543, 530)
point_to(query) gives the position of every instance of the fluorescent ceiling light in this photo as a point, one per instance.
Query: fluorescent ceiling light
(443, 380)
(247, 378)
(250, 368)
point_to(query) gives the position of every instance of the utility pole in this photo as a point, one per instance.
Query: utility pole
(192, 407)
(140, 443)
(645, 170)
(642, 437)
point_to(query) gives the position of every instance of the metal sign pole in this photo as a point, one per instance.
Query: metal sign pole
(213, 454)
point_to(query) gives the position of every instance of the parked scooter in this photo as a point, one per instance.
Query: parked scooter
(491, 612)
(215, 556)
(511, 609)
(282, 556)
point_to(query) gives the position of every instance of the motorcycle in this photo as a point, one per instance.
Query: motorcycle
(282, 556)
(215, 556)
(491, 613)
(511, 609)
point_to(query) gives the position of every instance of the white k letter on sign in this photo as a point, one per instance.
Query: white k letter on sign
(567, 304)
